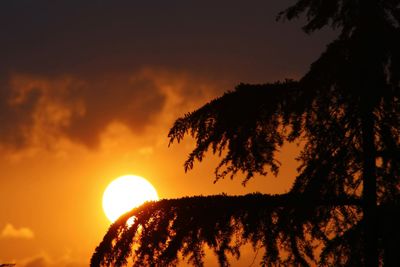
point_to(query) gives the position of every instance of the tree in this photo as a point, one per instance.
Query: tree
(343, 208)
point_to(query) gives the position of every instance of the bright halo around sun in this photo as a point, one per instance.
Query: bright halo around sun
(125, 193)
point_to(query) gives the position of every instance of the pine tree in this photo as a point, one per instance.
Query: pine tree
(343, 208)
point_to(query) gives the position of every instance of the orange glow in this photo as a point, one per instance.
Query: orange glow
(125, 193)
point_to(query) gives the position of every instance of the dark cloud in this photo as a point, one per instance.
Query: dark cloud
(79, 62)
(13, 118)
(45, 261)
(37, 262)
(130, 100)
(35, 109)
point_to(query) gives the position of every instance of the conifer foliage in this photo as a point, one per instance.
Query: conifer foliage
(343, 208)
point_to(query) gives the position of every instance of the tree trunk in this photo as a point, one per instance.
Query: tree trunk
(369, 191)
(370, 71)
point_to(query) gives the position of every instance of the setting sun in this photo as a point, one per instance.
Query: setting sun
(125, 193)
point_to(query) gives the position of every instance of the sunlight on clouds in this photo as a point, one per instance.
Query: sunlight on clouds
(114, 136)
(40, 109)
(42, 112)
(44, 260)
(10, 231)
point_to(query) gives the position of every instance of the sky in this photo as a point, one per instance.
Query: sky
(89, 90)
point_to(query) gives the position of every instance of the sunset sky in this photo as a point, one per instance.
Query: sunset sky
(89, 90)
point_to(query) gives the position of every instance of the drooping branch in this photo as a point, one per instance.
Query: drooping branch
(247, 124)
(163, 231)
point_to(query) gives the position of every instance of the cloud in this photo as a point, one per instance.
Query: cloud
(67, 72)
(44, 260)
(39, 111)
(42, 112)
(37, 262)
(9, 231)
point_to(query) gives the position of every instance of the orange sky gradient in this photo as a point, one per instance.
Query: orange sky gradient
(76, 115)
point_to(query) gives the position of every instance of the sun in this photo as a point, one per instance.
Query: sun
(125, 193)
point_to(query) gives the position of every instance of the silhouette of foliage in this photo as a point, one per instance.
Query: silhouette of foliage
(245, 122)
(279, 223)
(343, 208)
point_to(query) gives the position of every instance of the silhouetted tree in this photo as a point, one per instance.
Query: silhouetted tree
(343, 208)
